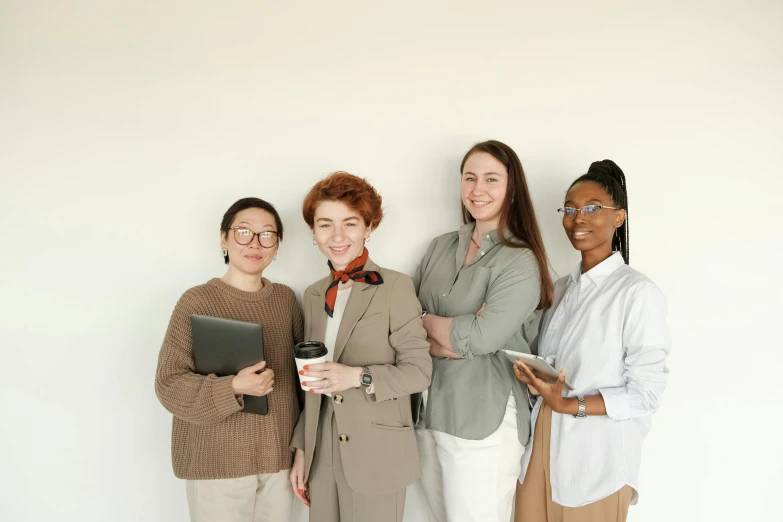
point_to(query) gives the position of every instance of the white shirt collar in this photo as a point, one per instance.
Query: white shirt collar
(600, 272)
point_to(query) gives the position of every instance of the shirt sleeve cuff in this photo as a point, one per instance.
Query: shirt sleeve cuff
(459, 335)
(616, 402)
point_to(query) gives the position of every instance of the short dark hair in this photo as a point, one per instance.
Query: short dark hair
(244, 204)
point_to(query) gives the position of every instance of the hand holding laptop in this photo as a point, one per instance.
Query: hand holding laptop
(224, 347)
(254, 380)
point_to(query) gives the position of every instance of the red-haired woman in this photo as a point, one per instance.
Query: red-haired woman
(355, 447)
(482, 287)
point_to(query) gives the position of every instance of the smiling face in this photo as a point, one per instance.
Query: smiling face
(252, 258)
(339, 231)
(483, 188)
(594, 233)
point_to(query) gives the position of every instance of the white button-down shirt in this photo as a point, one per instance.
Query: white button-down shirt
(607, 328)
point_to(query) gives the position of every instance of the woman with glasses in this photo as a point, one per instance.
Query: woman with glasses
(481, 287)
(355, 447)
(606, 333)
(235, 463)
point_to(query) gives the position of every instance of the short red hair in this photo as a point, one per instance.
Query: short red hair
(346, 188)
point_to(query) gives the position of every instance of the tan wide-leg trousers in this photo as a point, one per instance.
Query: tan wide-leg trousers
(534, 497)
(255, 498)
(331, 499)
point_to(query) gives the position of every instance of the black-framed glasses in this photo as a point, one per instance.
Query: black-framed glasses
(245, 236)
(588, 211)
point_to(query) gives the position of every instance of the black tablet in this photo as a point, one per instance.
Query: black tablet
(224, 347)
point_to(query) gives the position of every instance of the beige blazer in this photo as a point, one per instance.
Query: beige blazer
(381, 329)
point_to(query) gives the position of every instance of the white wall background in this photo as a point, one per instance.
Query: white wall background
(128, 127)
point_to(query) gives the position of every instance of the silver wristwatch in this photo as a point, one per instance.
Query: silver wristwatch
(580, 414)
(366, 378)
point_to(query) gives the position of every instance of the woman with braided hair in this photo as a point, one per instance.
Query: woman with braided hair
(606, 332)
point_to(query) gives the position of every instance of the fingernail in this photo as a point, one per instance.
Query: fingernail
(301, 492)
(304, 384)
(307, 367)
(301, 372)
(312, 390)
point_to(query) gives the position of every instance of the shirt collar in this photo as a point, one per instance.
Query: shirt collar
(600, 272)
(466, 230)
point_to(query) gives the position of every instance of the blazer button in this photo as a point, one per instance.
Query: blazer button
(344, 439)
(338, 399)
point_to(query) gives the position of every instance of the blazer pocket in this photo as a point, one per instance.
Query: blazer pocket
(366, 321)
(391, 428)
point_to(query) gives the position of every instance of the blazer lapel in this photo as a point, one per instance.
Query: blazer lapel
(361, 295)
(317, 312)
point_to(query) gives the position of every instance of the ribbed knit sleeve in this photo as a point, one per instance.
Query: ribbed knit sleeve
(211, 437)
(199, 399)
(297, 321)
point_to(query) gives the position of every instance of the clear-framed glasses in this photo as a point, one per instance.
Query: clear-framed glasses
(588, 211)
(245, 236)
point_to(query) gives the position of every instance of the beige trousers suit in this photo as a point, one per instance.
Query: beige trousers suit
(360, 449)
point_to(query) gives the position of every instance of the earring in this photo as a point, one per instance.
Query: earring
(367, 240)
(225, 252)
(314, 242)
(275, 256)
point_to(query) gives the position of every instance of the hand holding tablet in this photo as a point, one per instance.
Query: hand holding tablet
(534, 362)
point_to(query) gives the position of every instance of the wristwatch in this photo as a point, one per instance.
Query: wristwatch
(366, 378)
(423, 313)
(580, 414)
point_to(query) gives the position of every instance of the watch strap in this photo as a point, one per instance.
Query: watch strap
(581, 413)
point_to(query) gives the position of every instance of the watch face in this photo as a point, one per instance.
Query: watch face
(366, 379)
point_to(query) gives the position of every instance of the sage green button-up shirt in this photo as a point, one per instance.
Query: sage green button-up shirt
(468, 397)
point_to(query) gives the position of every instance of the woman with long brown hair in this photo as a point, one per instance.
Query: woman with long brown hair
(482, 288)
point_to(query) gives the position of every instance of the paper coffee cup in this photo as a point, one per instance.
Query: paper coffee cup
(309, 352)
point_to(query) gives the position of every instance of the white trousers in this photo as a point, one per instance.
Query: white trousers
(255, 498)
(472, 480)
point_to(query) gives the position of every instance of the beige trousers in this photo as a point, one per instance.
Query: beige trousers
(534, 496)
(331, 499)
(255, 498)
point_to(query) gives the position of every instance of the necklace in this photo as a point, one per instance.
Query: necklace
(474, 241)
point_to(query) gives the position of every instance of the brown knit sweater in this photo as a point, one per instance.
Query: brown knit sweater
(211, 438)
